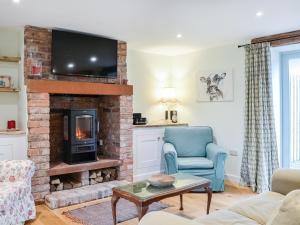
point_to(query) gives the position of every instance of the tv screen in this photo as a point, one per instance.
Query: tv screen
(85, 55)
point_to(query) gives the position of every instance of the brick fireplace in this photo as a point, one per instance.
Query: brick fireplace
(47, 98)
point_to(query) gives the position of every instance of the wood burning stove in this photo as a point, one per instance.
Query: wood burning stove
(80, 132)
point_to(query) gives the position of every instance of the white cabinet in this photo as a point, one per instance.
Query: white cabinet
(13, 147)
(147, 152)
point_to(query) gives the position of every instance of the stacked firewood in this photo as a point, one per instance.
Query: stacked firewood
(104, 175)
(76, 180)
(63, 183)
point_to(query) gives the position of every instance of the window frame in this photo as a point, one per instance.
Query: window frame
(285, 106)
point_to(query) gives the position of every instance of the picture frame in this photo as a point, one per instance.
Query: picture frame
(215, 86)
(5, 81)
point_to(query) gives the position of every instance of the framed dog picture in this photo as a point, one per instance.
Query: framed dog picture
(5, 81)
(215, 86)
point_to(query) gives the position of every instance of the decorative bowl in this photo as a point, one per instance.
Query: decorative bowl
(161, 180)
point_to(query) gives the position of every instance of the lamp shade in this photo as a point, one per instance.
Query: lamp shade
(168, 95)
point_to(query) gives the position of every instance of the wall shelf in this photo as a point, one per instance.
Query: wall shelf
(11, 132)
(9, 90)
(10, 59)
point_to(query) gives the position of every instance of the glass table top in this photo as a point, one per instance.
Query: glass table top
(143, 190)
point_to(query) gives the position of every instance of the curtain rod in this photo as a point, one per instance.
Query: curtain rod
(240, 46)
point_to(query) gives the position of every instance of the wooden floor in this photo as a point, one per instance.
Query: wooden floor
(194, 206)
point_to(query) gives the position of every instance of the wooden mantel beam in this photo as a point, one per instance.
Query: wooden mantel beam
(287, 38)
(80, 88)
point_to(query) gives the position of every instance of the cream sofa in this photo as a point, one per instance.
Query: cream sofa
(16, 201)
(259, 210)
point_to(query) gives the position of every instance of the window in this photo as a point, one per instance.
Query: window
(290, 112)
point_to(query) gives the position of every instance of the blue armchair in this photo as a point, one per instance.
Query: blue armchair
(191, 150)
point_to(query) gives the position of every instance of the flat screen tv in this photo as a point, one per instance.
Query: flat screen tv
(83, 55)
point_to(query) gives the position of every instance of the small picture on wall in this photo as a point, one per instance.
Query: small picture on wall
(5, 81)
(215, 86)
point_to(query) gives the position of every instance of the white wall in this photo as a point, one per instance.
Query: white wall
(22, 104)
(148, 73)
(226, 118)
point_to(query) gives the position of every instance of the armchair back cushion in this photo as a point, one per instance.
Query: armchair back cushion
(189, 141)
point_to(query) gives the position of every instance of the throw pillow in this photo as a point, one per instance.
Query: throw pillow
(289, 211)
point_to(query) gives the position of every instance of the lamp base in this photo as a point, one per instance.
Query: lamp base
(167, 115)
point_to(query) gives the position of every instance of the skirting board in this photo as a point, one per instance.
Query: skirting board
(232, 178)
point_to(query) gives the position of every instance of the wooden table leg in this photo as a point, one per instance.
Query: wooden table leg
(181, 202)
(142, 210)
(209, 196)
(114, 200)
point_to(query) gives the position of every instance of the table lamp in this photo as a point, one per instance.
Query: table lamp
(168, 97)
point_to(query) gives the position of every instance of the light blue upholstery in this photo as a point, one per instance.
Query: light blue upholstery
(191, 150)
(196, 146)
(194, 163)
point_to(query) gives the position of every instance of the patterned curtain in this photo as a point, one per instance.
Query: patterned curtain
(260, 156)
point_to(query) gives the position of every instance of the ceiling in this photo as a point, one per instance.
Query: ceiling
(152, 25)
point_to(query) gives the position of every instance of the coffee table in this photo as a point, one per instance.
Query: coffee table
(143, 194)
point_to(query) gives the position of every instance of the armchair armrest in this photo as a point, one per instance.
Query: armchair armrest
(16, 170)
(285, 180)
(218, 155)
(164, 218)
(170, 156)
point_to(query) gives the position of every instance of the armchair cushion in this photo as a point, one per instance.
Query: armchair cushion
(16, 201)
(194, 163)
(189, 141)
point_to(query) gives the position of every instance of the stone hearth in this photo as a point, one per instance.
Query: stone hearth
(83, 194)
(115, 114)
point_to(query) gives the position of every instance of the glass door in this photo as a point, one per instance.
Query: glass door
(290, 110)
(84, 127)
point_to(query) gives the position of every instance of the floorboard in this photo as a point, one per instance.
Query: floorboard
(194, 206)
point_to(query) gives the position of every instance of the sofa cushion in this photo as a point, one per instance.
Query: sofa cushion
(260, 207)
(189, 141)
(164, 218)
(288, 212)
(194, 163)
(225, 217)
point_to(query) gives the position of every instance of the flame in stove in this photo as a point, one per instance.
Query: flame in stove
(81, 134)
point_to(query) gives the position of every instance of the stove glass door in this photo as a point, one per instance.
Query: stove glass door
(84, 127)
